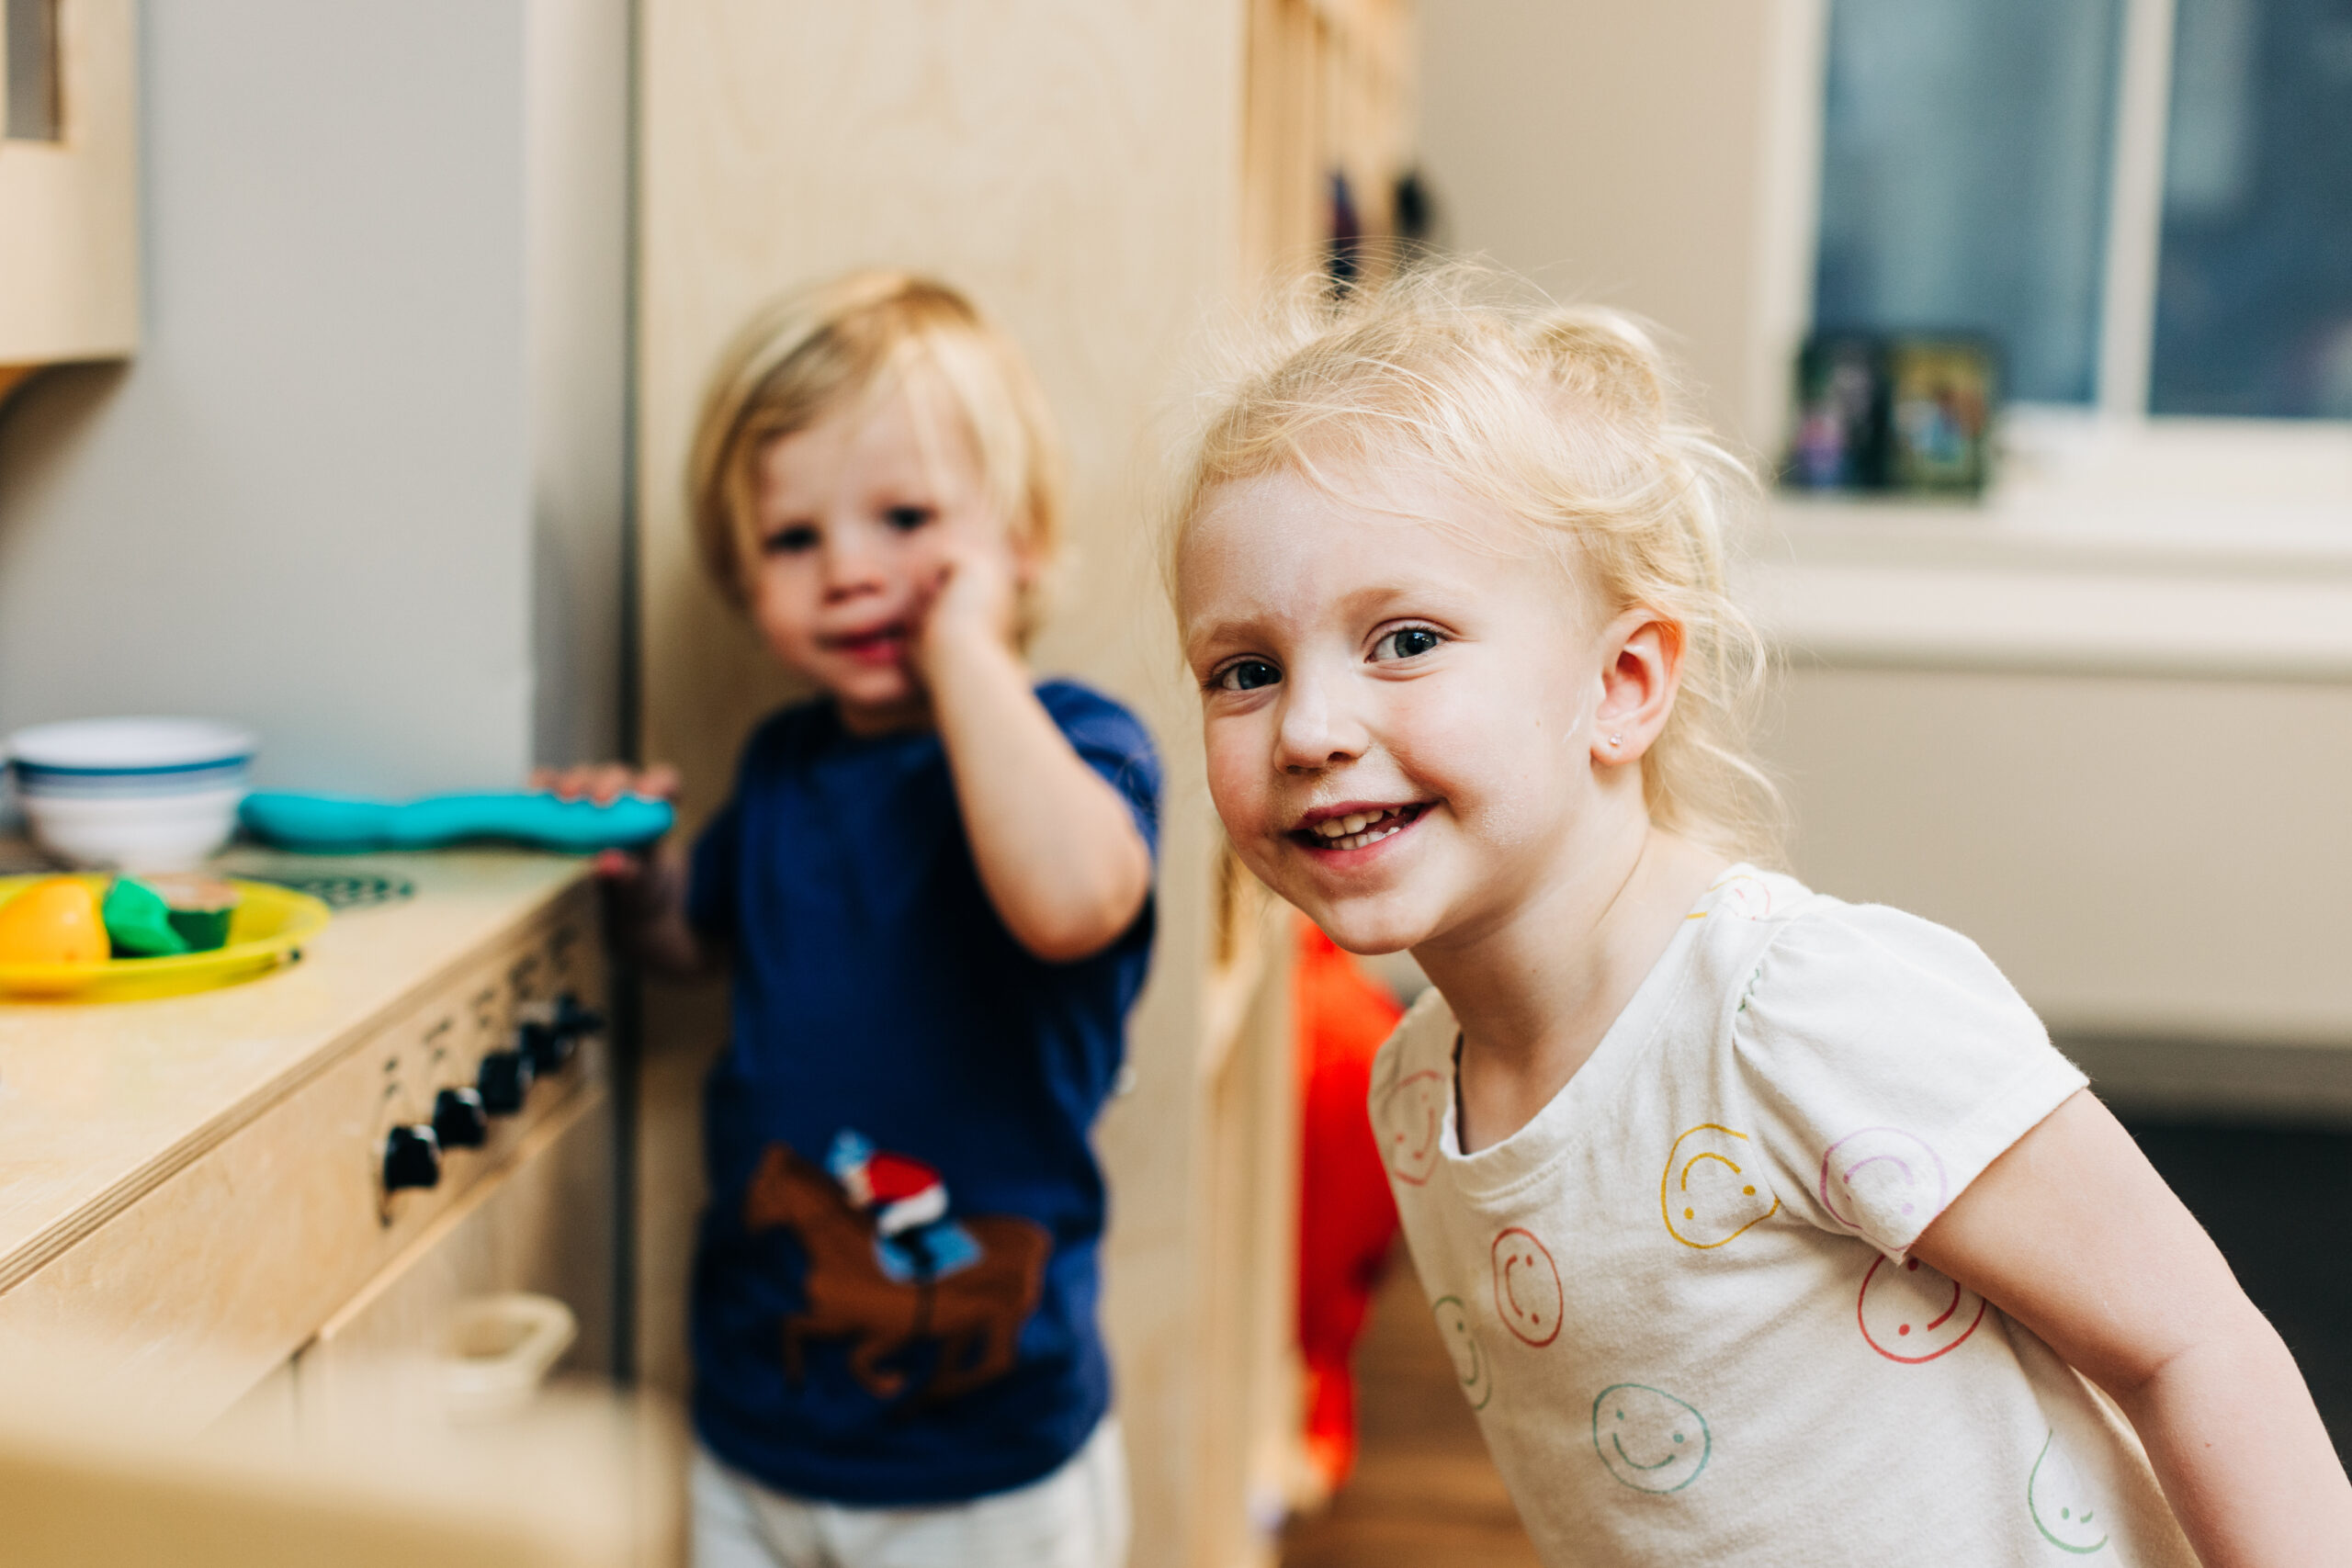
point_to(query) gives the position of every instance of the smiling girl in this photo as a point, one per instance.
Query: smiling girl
(1763, 1227)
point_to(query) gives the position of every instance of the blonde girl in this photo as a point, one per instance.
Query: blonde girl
(1764, 1228)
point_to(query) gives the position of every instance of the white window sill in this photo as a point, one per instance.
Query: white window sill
(2224, 553)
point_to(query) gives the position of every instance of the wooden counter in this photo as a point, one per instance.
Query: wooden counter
(202, 1173)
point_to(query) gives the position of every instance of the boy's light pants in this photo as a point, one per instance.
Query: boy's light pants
(1076, 1517)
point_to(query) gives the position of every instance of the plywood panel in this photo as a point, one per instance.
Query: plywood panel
(541, 1221)
(1331, 89)
(1075, 166)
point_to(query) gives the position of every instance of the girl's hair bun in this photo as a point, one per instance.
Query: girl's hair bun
(1605, 356)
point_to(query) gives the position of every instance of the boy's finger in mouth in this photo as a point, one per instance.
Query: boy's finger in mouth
(1359, 824)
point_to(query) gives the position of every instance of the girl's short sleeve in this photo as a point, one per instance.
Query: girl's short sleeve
(1888, 1063)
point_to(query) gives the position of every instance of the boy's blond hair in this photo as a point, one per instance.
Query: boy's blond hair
(1565, 417)
(853, 341)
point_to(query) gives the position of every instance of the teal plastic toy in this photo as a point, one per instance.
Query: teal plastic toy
(335, 824)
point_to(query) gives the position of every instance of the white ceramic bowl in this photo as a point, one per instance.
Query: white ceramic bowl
(131, 794)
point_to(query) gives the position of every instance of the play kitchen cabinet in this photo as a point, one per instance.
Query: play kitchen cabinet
(69, 223)
(231, 1197)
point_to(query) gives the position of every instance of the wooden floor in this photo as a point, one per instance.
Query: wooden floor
(1424, 1490)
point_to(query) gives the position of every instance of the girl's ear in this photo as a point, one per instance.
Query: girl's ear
(1641, 669)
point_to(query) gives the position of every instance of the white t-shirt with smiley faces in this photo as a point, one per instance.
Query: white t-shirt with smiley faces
(1679, 1298)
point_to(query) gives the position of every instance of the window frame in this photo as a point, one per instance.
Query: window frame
(2135, 244)
(2249, 484)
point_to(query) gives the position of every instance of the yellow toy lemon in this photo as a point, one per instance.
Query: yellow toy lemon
(53, 921)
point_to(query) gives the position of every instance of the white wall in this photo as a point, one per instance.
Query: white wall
(379, 383)
(1657, 155)
(2148, 858)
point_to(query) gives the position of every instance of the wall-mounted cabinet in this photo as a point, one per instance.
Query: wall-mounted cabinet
(69, 215)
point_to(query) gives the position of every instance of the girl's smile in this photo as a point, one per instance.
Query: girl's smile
(1355, 827)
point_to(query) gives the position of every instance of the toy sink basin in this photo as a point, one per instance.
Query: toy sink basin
(269, 927)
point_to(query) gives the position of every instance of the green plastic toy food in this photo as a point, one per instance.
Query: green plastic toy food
(139, 923)
(201, 908)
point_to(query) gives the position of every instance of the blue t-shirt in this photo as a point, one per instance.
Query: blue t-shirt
(877, 993)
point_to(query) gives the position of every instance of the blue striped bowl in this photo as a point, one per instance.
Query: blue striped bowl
(137, 794)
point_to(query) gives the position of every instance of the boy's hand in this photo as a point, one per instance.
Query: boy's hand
(973, 601)
(605, 783)
(647, 885)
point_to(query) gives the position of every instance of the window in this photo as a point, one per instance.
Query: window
(2253, 296)
(2147, 204)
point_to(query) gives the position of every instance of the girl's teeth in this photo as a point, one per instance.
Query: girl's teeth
(1358, 829)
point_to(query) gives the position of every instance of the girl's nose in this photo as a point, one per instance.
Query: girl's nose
(1318, 730)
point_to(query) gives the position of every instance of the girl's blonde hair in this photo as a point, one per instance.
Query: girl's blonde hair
(852, 341)
(1567, 418)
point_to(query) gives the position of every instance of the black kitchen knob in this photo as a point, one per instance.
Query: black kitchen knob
(574, 1019)
(412, 1158)
(545, 1046)
(459, 1119)
(503, 1080)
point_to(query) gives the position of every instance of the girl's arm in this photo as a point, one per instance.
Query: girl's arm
(2074, 1234)
(1058, 850)
(648, 891)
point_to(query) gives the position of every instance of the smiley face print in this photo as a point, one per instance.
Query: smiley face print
(1911, 1314)
(2060, 1503)
(1409, 1120)
(1743, 898)
(1527, 1287)
(1462, 1344)
(1648, 1440)
(1883, 1181)
(1714, 1189)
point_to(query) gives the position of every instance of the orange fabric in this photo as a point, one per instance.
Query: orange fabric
(1347, 1218)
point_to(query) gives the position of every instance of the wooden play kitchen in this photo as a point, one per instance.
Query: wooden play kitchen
(240, 1193)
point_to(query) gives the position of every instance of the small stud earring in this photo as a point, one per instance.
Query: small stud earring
(1616, 741)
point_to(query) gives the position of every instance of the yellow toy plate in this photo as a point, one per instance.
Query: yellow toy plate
(269, 927)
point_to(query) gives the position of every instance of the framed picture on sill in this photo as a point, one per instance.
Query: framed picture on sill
(1910, 413)
(1840, 441)
(1940, 396)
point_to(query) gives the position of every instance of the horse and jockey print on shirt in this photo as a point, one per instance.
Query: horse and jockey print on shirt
(888, 1270)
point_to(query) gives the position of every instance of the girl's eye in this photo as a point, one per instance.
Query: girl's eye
(790, 540)
(1406, 642)
(906, 519)
(1247, 675)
